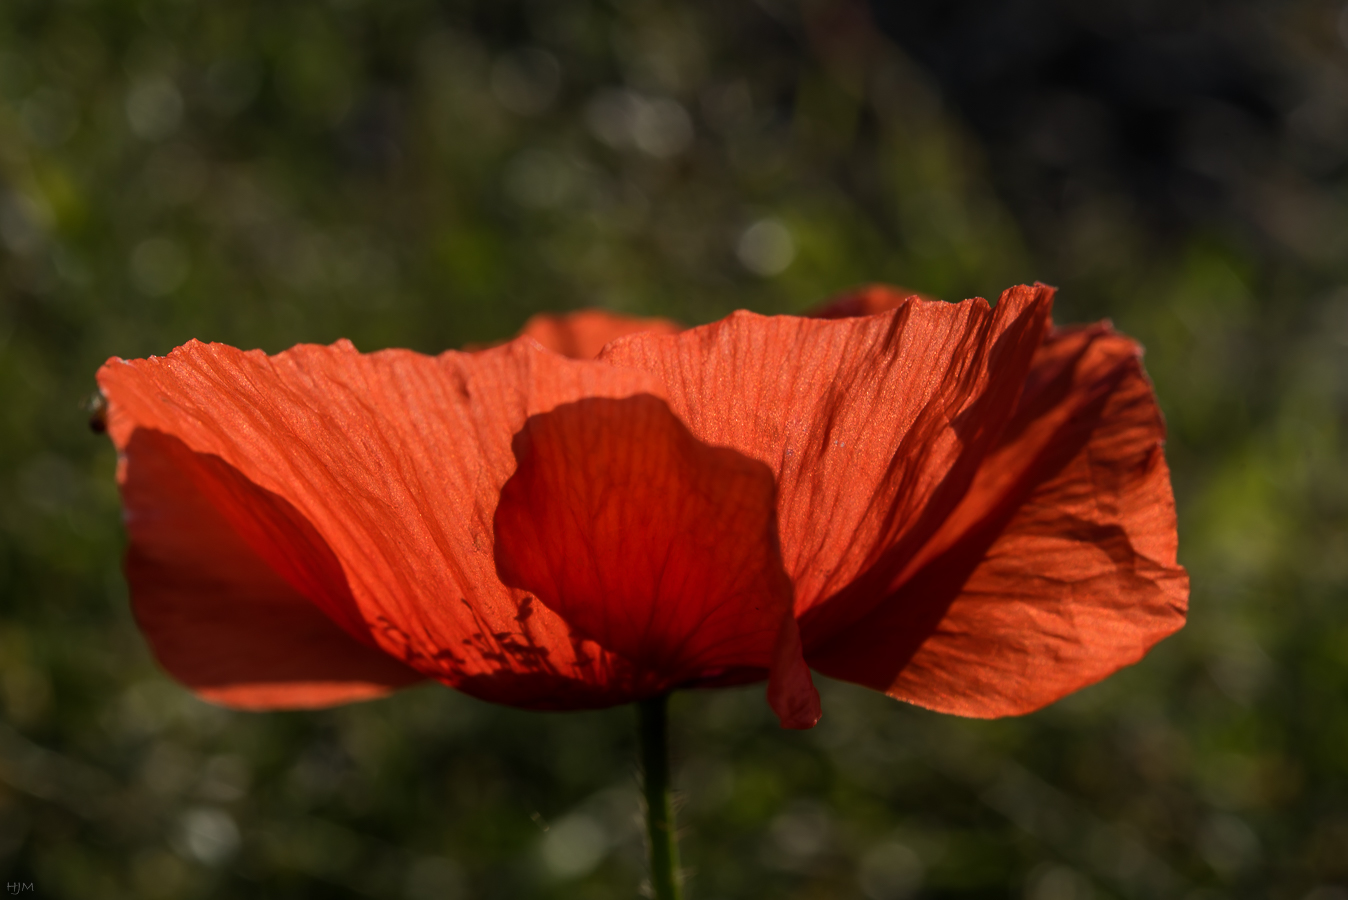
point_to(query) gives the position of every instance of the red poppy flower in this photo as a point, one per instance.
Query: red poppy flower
(951, 503)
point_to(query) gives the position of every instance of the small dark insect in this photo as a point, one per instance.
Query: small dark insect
(97, 408)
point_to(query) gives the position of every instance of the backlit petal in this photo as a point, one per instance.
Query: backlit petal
(219, 618)
(874, 426)
(1059, 565)
(655, 545)
(392, 463)
(582, 334)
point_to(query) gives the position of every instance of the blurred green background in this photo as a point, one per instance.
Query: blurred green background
(419, 174)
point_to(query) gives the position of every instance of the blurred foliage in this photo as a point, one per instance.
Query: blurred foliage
(409, 173)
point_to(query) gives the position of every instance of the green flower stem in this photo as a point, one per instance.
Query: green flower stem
(653, 731)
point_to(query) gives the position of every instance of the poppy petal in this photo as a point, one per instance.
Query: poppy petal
(655, 545)
(1058, 567)
(394, 461)
(582, 334)
(874, 426)
(243, 637)
(864, 301)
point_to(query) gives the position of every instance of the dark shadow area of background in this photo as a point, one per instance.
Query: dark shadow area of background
(428, 174)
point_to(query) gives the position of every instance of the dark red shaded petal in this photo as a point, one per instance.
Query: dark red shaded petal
(582, 334)
(865, 301)
(394, 461)
(874, 426)
(1059, 565)
(217, 617)
(655, 545)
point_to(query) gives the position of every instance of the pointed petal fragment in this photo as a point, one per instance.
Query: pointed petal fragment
(864, 301)
(1059, 566)
(654, 545)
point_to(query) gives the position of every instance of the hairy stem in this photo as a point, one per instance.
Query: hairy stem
(653, 731)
